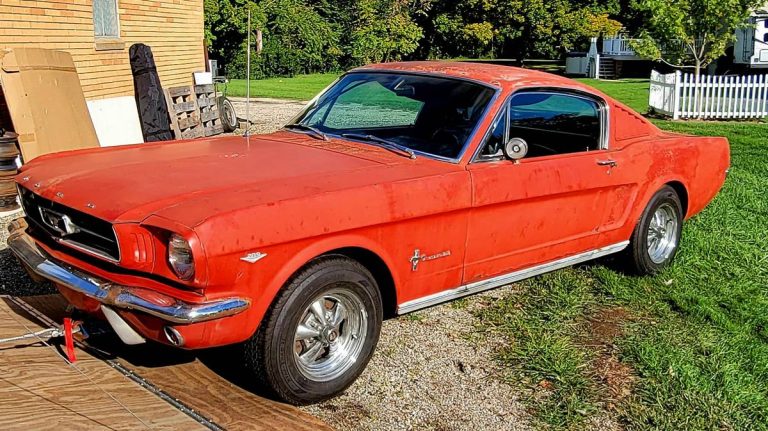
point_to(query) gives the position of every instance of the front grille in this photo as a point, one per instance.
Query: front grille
(67, 226)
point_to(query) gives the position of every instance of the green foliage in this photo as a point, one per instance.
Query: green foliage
(516, 28)
(382, 31)
(302, 36)
(212, 15)
(309, 36)
(690, 33)
(296, 39)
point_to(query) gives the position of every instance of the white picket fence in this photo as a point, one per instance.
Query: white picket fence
(679, 95)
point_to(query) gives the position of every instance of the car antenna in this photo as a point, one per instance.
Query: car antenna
(248, 83)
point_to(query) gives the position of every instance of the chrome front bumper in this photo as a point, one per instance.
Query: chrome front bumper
(117, 296)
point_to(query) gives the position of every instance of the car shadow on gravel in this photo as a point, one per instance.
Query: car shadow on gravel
(15, 281)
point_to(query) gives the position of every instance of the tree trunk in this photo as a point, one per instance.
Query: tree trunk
(698, 92)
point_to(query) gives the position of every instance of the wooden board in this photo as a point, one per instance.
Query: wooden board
(209, 382)
(40, 391)
(45, 101)
(184, 113)
(209, 109)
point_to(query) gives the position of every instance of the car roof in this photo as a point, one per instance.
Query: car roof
(495, 75)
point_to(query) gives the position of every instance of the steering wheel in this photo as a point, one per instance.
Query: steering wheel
(493, 148)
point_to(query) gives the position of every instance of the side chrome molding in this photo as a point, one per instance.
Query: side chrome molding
(504, 279)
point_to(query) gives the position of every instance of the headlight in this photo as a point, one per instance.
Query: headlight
(180, 257)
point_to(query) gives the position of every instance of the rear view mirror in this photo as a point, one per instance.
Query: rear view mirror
(405, 90)
(516, 148)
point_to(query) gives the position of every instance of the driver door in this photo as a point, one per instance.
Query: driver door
(551, 203)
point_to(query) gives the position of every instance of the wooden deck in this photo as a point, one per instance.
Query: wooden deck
(39, 390)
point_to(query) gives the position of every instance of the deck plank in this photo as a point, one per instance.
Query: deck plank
(209, 382)
(39, 390)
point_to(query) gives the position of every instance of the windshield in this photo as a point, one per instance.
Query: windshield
(423, 113)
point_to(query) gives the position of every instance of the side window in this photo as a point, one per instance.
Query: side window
(105, 19)
(555, 123)
(494, 142)
(372, 105)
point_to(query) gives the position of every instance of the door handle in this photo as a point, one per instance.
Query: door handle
(609, 162)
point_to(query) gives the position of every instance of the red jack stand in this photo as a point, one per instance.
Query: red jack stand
(69, 340)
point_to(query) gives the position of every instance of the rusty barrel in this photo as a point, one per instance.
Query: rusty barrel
(9, 152)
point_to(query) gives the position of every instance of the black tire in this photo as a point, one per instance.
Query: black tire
(228, 115)
(639, 257)
(8, 151)
(8, 166)
(273, 354)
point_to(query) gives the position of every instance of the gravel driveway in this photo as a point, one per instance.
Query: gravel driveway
(13, 279)
(267, 115)
(426, 374)
(429, 371)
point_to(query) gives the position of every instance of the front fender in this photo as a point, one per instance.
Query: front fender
(282, 261)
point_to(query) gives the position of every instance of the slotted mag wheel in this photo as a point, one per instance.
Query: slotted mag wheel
(330, 334)
(662, 233)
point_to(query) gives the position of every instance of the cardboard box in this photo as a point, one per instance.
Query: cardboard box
(46, 101)
(203, 78)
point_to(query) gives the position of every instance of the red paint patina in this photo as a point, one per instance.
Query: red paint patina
(294, 198)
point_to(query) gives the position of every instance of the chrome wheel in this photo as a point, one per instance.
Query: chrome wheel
(662, 233)
(330, 335)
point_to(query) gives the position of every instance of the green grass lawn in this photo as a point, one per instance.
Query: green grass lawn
(300, 87)
(631, 92)
(686, 349)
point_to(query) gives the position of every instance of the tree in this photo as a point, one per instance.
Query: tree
(690, 33)
(302, 36)
(518, 28)
(383, 30)
(297, 39)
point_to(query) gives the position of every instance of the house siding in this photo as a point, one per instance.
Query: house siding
(173, 29)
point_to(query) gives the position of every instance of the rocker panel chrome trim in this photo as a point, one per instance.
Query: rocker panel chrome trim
(504, 279)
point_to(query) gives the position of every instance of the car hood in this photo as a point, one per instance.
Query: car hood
(129, 184)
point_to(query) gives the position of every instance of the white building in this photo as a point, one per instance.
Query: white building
(751, 47)
(615, 57)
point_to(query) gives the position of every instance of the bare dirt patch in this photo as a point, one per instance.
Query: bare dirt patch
(607, 324)
(613, 376)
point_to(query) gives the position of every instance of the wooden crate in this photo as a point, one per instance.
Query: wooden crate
(209, 109)
(184, 112)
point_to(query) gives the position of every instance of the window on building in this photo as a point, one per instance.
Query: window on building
(105, 19)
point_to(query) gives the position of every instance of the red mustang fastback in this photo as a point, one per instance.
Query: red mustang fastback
(401, 186)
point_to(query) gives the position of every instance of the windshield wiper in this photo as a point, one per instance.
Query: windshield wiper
(313, 131)
(386, 143)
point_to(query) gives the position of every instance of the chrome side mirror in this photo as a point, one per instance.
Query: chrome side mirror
(516, 148)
